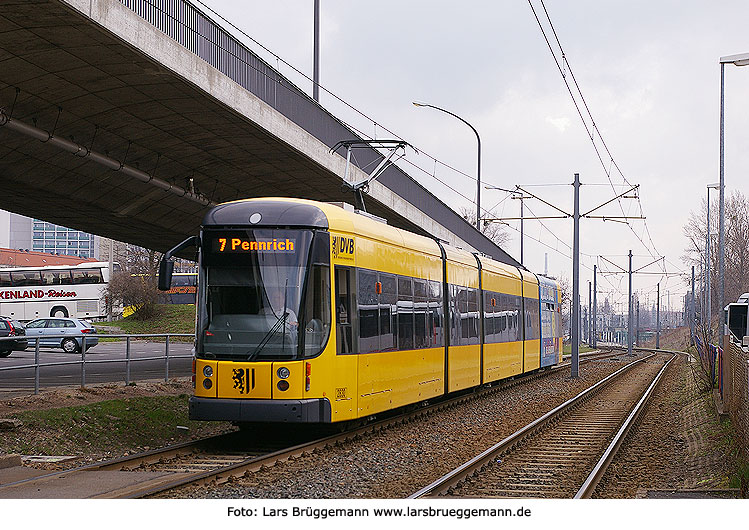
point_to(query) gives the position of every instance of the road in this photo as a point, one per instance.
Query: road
(105, 363)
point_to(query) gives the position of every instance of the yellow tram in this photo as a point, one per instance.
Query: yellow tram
(311, 312)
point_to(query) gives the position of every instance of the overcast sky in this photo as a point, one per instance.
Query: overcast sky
(649, 72)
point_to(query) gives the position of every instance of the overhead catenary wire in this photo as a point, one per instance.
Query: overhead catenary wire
(592, 130)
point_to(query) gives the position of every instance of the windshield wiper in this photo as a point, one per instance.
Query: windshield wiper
(280, 322)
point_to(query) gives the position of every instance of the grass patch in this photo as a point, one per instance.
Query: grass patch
(105, 427)
(567, 349)
(170, 318)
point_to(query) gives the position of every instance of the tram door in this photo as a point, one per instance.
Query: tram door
(344, 403)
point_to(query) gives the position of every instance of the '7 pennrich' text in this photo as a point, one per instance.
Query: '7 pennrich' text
(236, 244)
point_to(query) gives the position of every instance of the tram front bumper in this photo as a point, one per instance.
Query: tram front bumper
(261, 410)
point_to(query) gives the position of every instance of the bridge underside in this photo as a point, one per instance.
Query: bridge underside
(131, 126)
(62, 74)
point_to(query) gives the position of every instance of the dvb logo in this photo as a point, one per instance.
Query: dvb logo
(343, 247)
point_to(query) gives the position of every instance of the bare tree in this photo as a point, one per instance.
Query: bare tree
(736, 249)
(736, 264)
(134, 290)
(494, 231)
(135, 285)
(142, 261)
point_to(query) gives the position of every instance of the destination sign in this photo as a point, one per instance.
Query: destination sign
(235, 245)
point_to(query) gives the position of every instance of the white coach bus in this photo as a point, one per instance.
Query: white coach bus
(74, 291)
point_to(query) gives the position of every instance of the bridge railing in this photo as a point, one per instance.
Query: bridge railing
(192, 28)
(47, 356)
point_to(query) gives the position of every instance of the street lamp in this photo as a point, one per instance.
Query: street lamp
(708, 297)
(478, 170)
(741, 59)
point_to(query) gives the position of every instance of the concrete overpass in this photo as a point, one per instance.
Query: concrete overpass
(129, 118)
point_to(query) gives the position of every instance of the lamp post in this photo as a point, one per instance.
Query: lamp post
(316, 52)
(478, 165)
(708, 290)
(741, 59)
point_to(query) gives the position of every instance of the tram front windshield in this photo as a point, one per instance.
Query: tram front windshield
(266, 296)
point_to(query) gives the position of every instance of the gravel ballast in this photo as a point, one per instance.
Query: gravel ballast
(398, 461)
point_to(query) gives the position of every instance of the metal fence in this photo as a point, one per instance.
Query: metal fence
(83, 361)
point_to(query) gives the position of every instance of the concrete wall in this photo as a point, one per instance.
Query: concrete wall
(4, 229)
(15, 230)
(20, 231)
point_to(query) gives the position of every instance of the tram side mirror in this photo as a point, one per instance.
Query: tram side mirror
(166, 268)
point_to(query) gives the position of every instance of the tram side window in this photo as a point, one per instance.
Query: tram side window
(500, 318)
(344, 307)
(317, 310)
(5, 279)
(388, 312)
(369, 318)
(435, 321)
(21, 278)
(421, 310)
(489, 317)
(398, 312)
(472, 305)
(517, 317)
(451, 294)
(405, 314)
(514, 310)
(508, 329)
(455, 315)
(532, 315)
(464, 317)
(496, 316)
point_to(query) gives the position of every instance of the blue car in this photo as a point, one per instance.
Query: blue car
(52, 333)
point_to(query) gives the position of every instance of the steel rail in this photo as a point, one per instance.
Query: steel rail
(472, 466)
(147, 457)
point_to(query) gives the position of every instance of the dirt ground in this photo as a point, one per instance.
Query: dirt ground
(72, 396)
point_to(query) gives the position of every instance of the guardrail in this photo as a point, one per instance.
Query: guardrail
(35, 342)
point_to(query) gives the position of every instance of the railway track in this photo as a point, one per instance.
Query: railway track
(151, 470)
(218, 459)
(565, 453)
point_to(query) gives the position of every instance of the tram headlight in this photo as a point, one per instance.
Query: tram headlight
(207, 384)
(283, 385)
(208, 370)
(283, 373)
